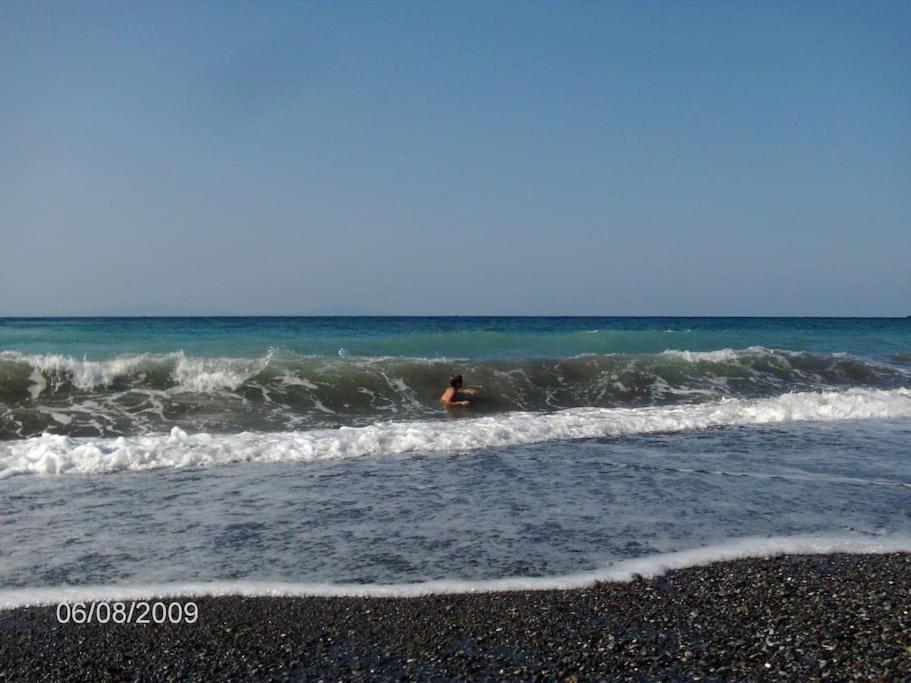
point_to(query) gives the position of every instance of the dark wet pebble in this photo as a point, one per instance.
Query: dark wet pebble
(790, 618)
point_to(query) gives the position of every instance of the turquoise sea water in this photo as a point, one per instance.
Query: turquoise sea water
(462, 337)
(102, 377)
(297, 451)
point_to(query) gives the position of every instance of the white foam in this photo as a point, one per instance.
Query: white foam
(38, 384)
(621, 571)
(196, 374)
(205, 375)
(719, 356)
(84, 374)
(291, 380)
(55, 454)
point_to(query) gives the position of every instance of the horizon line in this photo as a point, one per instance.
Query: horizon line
(430, 315)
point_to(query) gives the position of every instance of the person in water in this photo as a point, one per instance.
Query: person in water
(453, 393)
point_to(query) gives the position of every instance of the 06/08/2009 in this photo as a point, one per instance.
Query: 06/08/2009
(130, 612)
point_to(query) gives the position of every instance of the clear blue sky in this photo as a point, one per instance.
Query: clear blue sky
(455, 158)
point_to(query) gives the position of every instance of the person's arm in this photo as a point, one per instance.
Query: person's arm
(449, 398)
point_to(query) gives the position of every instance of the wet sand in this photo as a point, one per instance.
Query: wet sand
(817, 617)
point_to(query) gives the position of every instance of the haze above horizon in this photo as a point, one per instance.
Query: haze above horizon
(455, 159)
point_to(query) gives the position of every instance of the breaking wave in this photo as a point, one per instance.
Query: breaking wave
(57, 454)
(282, 391)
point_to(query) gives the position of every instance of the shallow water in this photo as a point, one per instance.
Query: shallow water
(547, 509)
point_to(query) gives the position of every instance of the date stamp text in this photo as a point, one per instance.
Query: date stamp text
(128, 612)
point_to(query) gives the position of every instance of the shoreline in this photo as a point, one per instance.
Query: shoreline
(625, 570)
(795, 617)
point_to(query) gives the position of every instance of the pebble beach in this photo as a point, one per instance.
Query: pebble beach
(813, 617)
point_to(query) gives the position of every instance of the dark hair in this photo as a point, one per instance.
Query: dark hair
(455, 381)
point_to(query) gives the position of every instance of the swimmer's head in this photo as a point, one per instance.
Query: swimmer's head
(455, 381)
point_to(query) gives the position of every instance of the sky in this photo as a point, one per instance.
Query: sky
(455, 158)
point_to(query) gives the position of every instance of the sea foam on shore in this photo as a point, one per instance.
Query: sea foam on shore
(620, 571)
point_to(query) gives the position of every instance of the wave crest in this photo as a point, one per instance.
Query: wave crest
(285, 391)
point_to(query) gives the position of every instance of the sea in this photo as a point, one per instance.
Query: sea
(183, 456)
